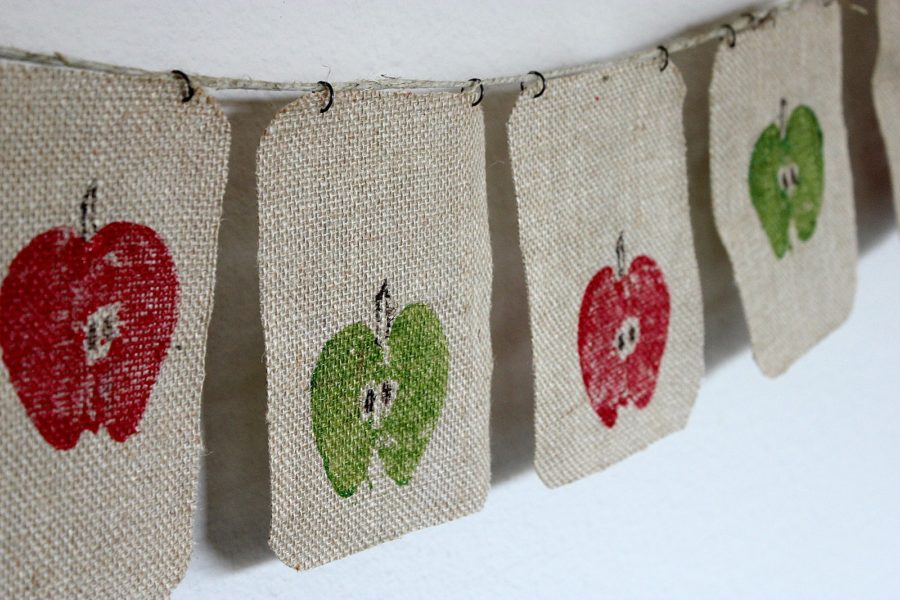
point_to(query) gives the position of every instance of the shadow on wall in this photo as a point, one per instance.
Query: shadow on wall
(868, 157)
(236, 465)
(512, 384)
(725, 330)
(237, 495)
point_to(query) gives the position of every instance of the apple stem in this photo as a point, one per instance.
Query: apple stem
(620, 254)
(384, 316)
(782, 117)
(88, 211)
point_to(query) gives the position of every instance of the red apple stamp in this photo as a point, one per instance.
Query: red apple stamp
(87, 317)
(622, 331)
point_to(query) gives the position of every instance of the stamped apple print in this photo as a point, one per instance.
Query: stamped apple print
(88, 315)
(379, 392)
(787, 177)
(622, 330)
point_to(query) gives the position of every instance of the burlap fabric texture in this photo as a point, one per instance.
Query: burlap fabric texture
(781, 180)
(613, 286)
(375, 278)
(111, 189)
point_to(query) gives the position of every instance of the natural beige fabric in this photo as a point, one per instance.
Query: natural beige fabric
(108, 519)
(597, 155)
(886, 88)
(791, 303)
(382, 186)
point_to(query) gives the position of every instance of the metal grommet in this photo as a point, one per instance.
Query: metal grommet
(190, 88)
(543, 84)
(665, 58)
(330, 90)
(476, 81)
(732, 38)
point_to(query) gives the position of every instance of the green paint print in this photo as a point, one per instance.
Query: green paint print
(380, 391)
(787, 177)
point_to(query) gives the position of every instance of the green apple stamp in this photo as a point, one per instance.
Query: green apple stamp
(787, 177)
(380, 391)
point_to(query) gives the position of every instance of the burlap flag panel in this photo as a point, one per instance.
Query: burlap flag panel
(781, 180)
(886, 88)
(111, 189)
(375, 278)
(613, 286)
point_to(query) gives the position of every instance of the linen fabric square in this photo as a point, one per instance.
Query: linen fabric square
(613, 286)
(781, 181)
(375, 279)
(111, 189)
(886, 88)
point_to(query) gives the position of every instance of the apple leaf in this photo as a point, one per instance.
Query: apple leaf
(771, 202)
(347, 362)
(803, 141)
(419, 363)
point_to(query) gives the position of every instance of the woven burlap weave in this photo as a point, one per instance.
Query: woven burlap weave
(599, 155)
(886, 88)
(793, 301)
(380, 187)
(108, 519)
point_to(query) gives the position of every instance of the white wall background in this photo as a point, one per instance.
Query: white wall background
(777, 489)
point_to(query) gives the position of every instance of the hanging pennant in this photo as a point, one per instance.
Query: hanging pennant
(111, 189)
(375, 278)
(886, 88)
(613, 286)
(781, 180)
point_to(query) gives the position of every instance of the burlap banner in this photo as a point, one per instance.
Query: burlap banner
(781, 181)
(111, 189)
(613, 287)
(375, 278)
(375, 283)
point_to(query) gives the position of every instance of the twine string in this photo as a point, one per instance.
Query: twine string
(725, 32)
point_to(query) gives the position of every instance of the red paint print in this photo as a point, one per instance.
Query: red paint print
(622, 331)
(87, 321)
